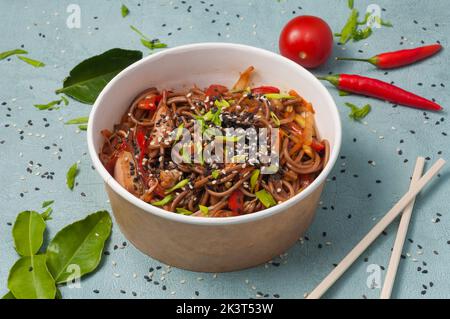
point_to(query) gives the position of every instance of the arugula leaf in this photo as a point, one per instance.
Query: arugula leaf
(88, 78)
(183, 211)
(4, 55)
(78, 120)
(124, 10)
(265, 198)
(357, 113)
(35, 63)
(80, 244)
(350, 27)
(163, 201)
(28, 233)
(362, 34)
(70, 176)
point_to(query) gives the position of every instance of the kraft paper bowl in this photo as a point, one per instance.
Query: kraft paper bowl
(201, 243)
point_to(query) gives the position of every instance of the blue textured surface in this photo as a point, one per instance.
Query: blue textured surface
(356, 196)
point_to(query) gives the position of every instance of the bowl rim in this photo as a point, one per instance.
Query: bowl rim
(207, 221)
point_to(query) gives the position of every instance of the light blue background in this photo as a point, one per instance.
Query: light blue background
(258, 24)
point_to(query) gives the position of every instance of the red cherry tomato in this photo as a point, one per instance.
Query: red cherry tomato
(306, 40)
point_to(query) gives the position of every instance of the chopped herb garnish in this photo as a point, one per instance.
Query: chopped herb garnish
(78, 120)
(82, 127)
(362, 34)
(47, 203)
(181, 184)
(49, 106)
(344, 93)
(228, 138)
(35, 63)
(124, 10)
(163, 201)
(46, 215)
(4, 55)
(350, 27)
(275, 119)
(215, 173)
(254, 179)
(151, 44)
(183, 211)
(71, 175)
(204, 210)
(179, 132)
(358, 113)
(351, 4)
(278, 96)
(265, 198)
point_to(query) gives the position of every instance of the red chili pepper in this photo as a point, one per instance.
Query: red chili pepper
(317, 146)
(265, 90)
(392, 60)
(142, 143)
(150, 103)
(236, 201)
(215, 90)
(380, 90)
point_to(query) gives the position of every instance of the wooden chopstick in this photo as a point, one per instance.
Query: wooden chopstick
(348, 260)
(401, 236)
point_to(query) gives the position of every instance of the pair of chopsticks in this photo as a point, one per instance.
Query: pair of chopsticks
(405, 205)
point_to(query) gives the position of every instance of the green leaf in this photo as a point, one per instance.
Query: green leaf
(80, 244)
(124, 10)
(78, 120)
(357, 113)
(362, 34)
(178, 185)
(9, 295)
(265, 198)
(254, 179)
(183, 211)
(350, 27)
(82, 127)
(28, 233)
(70, 176)
(35, 63)
(163, 201)
(88, 78)
(29, 278)
(47, 203)
(351, 4)
(4, 55)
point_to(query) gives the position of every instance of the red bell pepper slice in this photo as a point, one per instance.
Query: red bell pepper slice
(236, 201)
(265, 90)
(149, 103)
(215, 90)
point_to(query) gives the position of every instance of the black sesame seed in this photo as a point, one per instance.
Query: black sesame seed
(96, 291)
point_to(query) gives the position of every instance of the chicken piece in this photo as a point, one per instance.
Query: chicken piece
(168, 178)
(125, 174)
(163, 124)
